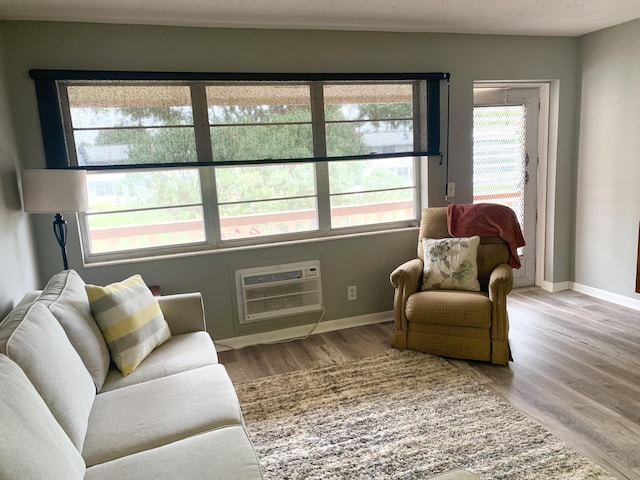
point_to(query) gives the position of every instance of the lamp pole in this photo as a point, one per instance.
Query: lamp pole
(60, 231)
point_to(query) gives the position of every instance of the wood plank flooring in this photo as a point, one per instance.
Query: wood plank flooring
(576, 369)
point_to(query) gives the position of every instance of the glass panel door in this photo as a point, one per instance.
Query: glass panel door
(505, 140)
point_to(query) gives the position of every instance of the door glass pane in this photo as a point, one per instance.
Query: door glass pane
(499, 156)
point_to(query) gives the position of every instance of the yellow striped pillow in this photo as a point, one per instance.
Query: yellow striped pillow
(130, 320)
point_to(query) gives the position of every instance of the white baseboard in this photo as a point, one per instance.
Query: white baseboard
(608, 296)
(292, 333)
(555, 287)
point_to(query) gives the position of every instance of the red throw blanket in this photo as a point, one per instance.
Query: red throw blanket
(487, 220)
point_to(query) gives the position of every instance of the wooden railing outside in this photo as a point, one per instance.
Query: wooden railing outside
(112, 239)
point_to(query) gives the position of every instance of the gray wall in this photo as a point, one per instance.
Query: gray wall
(362, 260)
(18, 272)
(608, 175)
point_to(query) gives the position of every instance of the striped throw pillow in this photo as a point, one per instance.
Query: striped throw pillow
(130, 319)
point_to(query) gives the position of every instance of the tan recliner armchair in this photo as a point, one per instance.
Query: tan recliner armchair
(454, 323)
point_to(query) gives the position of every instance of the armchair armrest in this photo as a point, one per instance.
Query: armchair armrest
(500, 284)
(183, 312)
(408, 276)
(500, 281)
(406, 280)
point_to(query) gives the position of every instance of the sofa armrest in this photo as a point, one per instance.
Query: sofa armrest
(183, 312)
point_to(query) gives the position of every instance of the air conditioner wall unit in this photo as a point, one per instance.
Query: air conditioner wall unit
(278, 291)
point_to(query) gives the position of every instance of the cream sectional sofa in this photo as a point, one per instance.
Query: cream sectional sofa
(67, 413)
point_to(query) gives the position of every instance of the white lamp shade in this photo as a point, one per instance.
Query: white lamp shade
(54, 191)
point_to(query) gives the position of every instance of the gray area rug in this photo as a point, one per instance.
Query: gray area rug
(398, 415)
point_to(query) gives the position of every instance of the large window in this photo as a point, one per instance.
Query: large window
(198, 163)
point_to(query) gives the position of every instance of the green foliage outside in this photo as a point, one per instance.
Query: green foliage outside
(249, 133)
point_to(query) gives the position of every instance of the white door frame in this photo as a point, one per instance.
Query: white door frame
(544, 89)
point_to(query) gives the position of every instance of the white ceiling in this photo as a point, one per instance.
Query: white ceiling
(511, 17)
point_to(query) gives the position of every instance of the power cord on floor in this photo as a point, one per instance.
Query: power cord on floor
(275, 342)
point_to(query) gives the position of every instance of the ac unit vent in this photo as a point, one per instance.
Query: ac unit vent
(278, 291)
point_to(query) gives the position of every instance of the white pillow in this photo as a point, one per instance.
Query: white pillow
(451, 263)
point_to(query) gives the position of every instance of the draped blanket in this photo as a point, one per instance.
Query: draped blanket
(487, 220)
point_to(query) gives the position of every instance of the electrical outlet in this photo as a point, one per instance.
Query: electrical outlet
(451, 189)
(352, 292)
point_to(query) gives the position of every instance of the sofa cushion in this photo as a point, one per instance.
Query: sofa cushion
(130, 319)
(33, 445)
(26, 301)
(224, 453)
(66, 298)
(155, 413)
(38, 344)
(178, 354)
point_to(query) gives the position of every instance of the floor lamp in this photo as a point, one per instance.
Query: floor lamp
(55, 191)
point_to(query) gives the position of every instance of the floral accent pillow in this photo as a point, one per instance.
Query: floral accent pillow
(450, 263)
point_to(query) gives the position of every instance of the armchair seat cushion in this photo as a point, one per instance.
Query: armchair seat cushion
(449, 307)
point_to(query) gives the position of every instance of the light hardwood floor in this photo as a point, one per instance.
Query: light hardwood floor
(576, 369)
